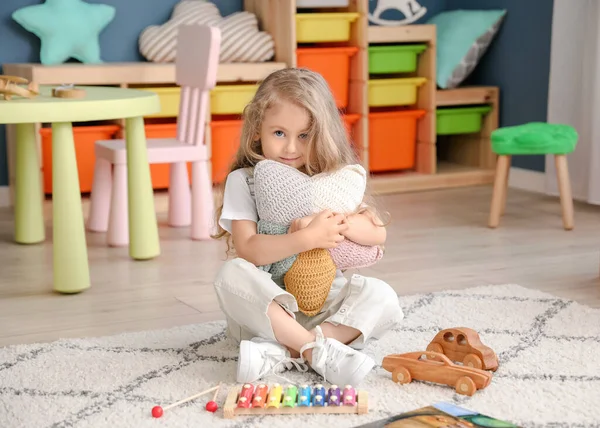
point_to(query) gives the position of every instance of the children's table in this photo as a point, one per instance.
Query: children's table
(71, 268)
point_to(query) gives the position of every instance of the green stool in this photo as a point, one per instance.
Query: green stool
(536, 138)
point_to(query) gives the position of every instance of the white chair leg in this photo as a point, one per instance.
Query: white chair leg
(202, 202)
(179, 196)
(118, 225)
(100, 196)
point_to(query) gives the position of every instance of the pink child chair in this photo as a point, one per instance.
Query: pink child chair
(196, 67)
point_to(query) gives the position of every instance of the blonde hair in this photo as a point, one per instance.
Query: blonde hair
(328, 146)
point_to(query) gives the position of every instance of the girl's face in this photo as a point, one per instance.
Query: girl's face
(284, 134)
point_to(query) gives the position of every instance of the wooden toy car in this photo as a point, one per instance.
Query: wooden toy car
(463, 344)
(435, 367)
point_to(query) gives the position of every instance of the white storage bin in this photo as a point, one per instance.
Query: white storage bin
(322, 3)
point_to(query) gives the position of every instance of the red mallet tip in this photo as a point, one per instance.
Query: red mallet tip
(211, 406)
(157, 411)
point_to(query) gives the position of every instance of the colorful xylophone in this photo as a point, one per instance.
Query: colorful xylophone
(291, 399)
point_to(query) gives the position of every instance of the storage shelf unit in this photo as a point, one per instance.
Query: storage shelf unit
(413, 139)
(468, 159)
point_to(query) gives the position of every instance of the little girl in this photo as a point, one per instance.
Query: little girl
(293, 119)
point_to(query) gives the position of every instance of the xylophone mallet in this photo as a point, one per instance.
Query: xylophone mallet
(157, 411)
(212, 405)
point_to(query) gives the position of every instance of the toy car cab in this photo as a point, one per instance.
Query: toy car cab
(434, 367)
(463, 344)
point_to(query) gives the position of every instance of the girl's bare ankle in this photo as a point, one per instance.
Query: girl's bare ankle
(307, 355)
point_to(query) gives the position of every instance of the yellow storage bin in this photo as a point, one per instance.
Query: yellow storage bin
(324, 27)
(169, 100)
(231, 99)
(394, 92)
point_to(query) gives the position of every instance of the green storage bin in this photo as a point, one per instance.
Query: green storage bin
(394, 58)
(460, 120)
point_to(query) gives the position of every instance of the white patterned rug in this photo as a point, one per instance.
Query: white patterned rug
(549, 375)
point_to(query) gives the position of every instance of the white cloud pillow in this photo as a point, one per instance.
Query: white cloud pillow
(241, 39)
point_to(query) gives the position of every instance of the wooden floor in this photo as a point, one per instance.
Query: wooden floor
(438, 240)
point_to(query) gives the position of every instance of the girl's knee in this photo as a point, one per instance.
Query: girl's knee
(382, 292)
(241, 282)
(233, 272)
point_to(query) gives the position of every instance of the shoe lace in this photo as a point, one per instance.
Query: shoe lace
(274, 362)
(330, 356)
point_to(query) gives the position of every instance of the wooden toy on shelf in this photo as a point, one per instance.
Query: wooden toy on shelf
(435, 367)
(463, 344)
(291, 399)
(10, 86)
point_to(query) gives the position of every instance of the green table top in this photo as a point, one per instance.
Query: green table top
(99, 103)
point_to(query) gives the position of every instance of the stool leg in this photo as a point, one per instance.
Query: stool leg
(503, 208)
(502, 166)
(564, 188)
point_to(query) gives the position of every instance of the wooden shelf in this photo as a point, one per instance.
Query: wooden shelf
(278, 18)
(448, 175)
(466, 96)
(118, 73)
(404, 34)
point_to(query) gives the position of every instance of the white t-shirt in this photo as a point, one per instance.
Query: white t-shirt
(238, 199)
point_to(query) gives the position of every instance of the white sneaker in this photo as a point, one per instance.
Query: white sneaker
(338, 363)
(259, 357)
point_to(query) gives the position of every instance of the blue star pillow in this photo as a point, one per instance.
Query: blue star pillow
(66, 28)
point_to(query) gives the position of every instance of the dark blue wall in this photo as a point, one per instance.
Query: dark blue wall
(118, 41)
(518, 62)
(521, 40)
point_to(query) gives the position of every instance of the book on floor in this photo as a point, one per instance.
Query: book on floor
(440, 415)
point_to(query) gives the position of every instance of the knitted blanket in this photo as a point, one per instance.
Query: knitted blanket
(283, 194)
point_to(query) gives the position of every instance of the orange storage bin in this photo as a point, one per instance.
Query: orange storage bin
(333, 64)
(225, 139)
(85, 137)
(393, 139)
(349, 120)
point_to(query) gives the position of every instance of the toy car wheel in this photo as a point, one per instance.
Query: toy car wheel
(435, 347)
(465, 386)
(473, 360)
(401, 375)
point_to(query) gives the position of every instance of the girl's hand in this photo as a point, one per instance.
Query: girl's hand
(301, 223)
(326, 229)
